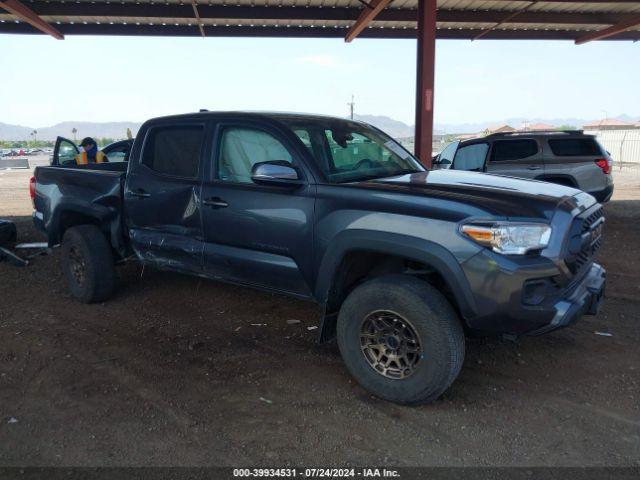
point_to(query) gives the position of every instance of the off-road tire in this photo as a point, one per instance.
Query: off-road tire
(434, 321)
(88, 264)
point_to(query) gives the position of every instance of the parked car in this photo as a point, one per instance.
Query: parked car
(65, 151)
(568, 157)
(402, 260)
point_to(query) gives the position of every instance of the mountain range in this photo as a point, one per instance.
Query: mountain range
(395, 128)
(115, 130)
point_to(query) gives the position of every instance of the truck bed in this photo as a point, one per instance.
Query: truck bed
(65, 193)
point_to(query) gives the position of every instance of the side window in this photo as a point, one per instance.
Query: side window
(118, 154)
(505, 150)
(575, 147)
(67, 153)
(471, 157)
(242, 148)
(174, 150)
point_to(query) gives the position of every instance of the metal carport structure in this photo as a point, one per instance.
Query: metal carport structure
(426, 20)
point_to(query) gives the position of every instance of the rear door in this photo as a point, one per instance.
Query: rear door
(257, 234)
(521, 157)
(64, 153)
(162, 196)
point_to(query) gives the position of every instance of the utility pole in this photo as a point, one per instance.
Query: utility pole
(351, 105)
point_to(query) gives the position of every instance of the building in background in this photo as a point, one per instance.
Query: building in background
(499, 129)
(611, 124)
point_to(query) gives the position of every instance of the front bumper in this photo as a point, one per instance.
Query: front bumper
(585, 299)
(505, 304)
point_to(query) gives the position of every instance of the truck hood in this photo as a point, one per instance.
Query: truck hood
(495, 194)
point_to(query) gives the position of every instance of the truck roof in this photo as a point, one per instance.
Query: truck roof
(272, 115)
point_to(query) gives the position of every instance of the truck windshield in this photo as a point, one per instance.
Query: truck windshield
(349, 151)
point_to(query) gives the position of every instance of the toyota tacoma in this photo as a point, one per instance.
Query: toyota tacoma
(403, 260)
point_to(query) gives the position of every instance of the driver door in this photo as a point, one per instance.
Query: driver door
(64, 153)
(256, 234)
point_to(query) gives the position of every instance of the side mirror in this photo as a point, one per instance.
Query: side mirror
(275, 172)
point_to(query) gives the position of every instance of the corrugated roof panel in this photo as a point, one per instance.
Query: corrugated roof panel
(466, 15)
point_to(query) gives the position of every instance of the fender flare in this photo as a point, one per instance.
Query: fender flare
(418, 249)
(103, 216)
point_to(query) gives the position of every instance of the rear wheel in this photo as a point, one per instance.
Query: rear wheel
(401, 339)
(88, 264)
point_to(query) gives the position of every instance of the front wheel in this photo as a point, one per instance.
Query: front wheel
(401, 339)
(88, 264)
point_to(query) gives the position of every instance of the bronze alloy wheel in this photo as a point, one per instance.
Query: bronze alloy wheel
(77, 265)
(390, 344)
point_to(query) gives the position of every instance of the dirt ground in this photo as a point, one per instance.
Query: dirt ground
(175, 371)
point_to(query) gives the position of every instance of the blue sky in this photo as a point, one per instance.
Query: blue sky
(45, 81)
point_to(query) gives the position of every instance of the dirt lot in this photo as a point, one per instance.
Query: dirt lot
(172, 372)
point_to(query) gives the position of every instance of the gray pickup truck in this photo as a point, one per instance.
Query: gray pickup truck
(568, 157)
(402, 260)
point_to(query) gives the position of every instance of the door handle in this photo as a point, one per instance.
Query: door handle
(140, 193)
(534, 167)
(215, 202)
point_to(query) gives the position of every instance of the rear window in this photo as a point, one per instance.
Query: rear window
(505, 150)
(174, 150)
(574, 147)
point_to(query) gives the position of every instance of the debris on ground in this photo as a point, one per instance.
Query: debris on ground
(604, 334)
(266, 400)
(32, 245)
(12, 258)
(8, 232)
(315, 327)
(13, 420)
(258, 324)
(293, 321)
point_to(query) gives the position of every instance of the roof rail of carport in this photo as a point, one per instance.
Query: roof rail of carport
(456, 19)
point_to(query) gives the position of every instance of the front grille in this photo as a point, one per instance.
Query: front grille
(585, 240)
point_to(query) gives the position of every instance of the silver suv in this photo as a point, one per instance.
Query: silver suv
(566, 157)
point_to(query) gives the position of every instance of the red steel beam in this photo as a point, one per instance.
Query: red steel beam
(27, 15)
(425, 78)
(609, 32)
(370, 12)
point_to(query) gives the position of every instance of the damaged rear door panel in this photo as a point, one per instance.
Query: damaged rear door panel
(162, 196)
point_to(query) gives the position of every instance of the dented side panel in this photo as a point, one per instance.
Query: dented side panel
(66, 196)
(165, 226)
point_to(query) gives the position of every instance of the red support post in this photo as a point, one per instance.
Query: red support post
(425, 76)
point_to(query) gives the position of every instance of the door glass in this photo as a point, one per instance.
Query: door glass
(471, 157)
(67, 152)
(445, 159)
(506, 150)
(174, 150)
(117, 154)
(242, 148)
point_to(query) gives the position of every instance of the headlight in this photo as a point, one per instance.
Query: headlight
(510, 238)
